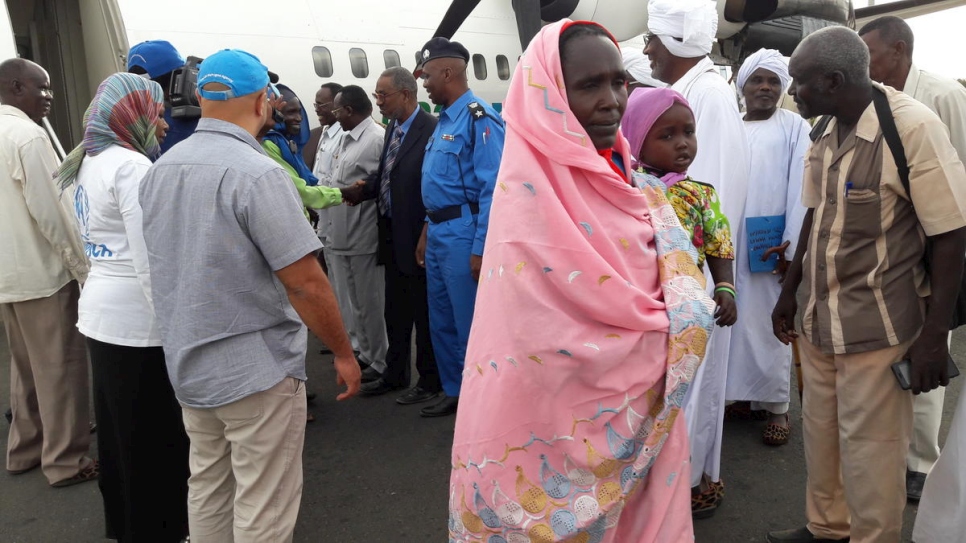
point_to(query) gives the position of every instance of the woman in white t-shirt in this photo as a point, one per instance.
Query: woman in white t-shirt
(141, 439)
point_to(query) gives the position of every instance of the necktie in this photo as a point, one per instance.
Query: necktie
(385, 199)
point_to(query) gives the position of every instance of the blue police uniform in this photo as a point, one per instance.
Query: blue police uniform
(179, 128)
(459, 173)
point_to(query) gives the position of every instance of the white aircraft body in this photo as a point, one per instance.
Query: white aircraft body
(310, 42)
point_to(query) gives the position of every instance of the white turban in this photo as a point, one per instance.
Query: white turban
(639, 67)
(769, 59)
(693, 22)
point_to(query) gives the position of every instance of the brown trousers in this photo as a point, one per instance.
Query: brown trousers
(49, 392)
(856, 427)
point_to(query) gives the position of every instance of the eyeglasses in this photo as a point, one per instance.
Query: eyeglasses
(337, 109)
(318, 105)
(383, 95)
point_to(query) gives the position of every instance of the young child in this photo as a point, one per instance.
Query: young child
(660, 127)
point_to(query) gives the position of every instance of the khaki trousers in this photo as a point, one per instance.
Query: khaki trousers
(246, 467)
(49, 391)
(856, 428)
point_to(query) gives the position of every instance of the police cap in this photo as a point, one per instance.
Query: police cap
(442, 48)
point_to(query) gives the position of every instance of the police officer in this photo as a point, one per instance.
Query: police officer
(459, 173)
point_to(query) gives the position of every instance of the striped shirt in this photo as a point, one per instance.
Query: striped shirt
(864, 276)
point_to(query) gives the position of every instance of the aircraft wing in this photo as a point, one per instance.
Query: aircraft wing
(903, 8)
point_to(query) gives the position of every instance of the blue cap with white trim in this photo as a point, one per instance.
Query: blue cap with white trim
(238, 70)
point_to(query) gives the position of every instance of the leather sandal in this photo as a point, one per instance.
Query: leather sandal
(90, 473)
(776, 435)
(704, 504)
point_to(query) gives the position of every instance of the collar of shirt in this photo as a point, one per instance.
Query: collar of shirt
(332, 131)
(15, 111)
(702, 66)
(356, 132)
(868, 126)
(409, 122)
(912, 81)
(229, 129)
(453, 110)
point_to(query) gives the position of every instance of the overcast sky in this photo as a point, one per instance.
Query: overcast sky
(939, 41)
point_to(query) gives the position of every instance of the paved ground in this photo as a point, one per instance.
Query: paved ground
(377, 472)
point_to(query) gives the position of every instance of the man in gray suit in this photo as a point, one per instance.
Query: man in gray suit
(352, 234)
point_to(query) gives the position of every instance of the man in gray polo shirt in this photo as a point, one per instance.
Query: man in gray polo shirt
(233, 268)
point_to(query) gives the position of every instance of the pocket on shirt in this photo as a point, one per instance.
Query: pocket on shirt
(863, 214)
(446, 161)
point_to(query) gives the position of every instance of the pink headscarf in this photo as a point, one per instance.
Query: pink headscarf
(644, 107)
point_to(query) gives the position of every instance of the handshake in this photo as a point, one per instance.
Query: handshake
(354, 194)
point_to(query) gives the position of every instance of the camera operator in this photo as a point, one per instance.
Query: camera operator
(158, 59)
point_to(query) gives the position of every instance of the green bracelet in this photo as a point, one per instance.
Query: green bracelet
(728, 290)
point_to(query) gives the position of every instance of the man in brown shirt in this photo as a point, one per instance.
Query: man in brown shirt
(861, 256)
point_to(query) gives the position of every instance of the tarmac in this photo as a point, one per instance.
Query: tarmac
(376, 471)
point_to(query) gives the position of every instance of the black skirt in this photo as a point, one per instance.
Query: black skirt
(142, 445)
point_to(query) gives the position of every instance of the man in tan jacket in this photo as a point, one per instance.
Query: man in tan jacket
(39, 289)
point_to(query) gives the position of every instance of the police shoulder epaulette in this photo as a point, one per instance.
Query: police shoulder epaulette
(477, 112)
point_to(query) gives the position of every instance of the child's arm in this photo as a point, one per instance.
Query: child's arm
(720, 255)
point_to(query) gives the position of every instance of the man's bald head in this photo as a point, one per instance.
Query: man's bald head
(830, 71)
(835, 49)
(25, 85)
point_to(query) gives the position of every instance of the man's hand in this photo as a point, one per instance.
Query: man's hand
(347, 373)
(727, 312)
(782, 267)
(353, 195)
(783, 317)
(277, 103)
(929, 357)
(476, 264)
(421, 247)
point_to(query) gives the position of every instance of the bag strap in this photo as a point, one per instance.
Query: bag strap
(820, 126)
(891, 134)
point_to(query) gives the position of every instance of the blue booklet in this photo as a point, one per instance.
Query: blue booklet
(763, 233)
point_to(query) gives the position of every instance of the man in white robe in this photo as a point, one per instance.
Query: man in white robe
(681, 33)
(759, 366)
(890, 42)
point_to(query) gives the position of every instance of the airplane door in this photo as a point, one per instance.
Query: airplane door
(8, 48)
(79, 43)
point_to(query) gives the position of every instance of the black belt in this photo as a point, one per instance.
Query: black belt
(451, 212)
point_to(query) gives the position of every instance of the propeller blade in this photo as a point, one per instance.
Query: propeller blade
(528, 20)
(455, 16)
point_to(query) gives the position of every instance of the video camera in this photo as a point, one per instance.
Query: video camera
(182, 90)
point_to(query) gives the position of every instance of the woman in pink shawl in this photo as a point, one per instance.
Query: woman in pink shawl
(590, 322)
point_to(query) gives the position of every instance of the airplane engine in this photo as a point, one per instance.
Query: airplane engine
(753, 11)
(625, 19)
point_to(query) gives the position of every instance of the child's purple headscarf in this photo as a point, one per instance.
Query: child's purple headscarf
(644, 107)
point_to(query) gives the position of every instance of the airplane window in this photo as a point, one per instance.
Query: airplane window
(502, 67)
(479, 67)
(359, 63)
(392, 58)
(323, 61)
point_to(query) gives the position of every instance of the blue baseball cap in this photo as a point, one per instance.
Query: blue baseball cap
(157, 57)
(241, 72)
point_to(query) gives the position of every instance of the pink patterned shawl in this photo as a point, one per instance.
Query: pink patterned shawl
(590, 321)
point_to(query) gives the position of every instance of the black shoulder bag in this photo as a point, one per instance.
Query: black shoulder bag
(891, 134)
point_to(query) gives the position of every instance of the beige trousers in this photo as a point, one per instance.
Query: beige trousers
(49, 391)
(246, 467)
(856, 428)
